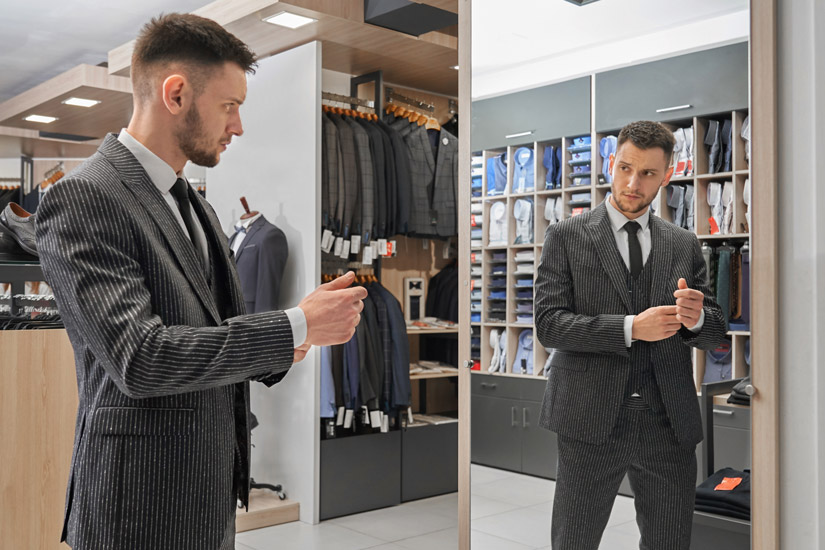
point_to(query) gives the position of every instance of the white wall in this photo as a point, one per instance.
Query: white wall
(276, 165)
(801, 75)
(10, 168)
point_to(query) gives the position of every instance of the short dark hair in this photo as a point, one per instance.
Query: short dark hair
(198, 43)
(646, 134)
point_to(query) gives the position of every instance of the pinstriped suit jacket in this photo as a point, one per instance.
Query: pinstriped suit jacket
(163, 362)
(581, 303)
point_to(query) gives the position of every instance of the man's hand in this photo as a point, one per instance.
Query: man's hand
(689, 304)
(300, 353)
(332, 311)
(656, 323)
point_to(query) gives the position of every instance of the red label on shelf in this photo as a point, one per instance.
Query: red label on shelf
(473, 220)
(714, 228)
(728, 484)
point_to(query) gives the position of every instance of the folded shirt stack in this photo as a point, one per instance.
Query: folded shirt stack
(726, 493)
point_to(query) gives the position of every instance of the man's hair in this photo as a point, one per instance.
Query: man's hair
(198, 44)
(645, 134)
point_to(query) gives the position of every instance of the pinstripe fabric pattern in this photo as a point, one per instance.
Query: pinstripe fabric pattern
(589, 477)
(581, 302)
(163, 361)
(366, 171)
(348, 199)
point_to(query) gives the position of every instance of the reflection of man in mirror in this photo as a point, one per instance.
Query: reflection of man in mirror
(622, 295)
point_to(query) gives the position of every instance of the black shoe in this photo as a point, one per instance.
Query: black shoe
(20, 224)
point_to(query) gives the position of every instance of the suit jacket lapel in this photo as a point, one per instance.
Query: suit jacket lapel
(138, 182)
(250, 232)
(428, 150)
(601, 232)
(661, 257)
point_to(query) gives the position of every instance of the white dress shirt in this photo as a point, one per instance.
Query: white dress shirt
(164, 178)
(617, 222)
(236, 244)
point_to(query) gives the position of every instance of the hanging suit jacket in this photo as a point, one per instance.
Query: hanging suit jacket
(365, 223)
(332, 177)
(261, 261)
(581, 303)
(161, 449)
(402, 179)
(348, 199)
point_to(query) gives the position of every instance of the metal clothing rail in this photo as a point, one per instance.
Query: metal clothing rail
(329, 96)
(417, 103)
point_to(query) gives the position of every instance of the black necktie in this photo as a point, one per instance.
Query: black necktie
(635, 248)
(181, 192)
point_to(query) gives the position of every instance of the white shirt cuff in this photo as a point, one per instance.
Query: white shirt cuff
(628, 330)
(299, 325)
(701, 322)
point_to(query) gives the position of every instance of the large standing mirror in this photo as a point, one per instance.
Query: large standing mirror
(553, 84)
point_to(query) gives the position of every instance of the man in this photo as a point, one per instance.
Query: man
(621, 295)
(151, 301)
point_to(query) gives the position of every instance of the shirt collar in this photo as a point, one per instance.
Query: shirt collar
(245, 224)
(617, 219)
(161, 174)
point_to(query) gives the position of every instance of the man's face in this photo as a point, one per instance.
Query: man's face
(214, 117)
(637, 176)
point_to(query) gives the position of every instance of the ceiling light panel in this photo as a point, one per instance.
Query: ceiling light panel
(289, 20)
(40, 118)
(80, 102)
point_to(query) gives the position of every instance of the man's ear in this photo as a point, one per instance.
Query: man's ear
(176, 93)
(668, 175)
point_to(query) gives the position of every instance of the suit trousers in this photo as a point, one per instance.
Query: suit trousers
(228, 542)
(662, 475)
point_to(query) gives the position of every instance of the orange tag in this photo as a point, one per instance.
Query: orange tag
(473, 221)
(473, 258)
(472, 284)
(714, 228)
(728, 484)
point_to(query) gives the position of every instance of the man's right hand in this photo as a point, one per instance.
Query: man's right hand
(332, 311)
(656, 323)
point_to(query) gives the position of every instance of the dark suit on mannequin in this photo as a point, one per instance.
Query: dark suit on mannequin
(261, 259)
(163, 358)
(584, 292)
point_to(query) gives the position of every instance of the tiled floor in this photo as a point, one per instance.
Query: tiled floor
(509, 512)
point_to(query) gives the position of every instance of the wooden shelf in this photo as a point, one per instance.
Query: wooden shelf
(721, 237)
(723, 400)
(427, 376)
(265, 510)
(509, 374)
(432, 331)
(550, 192)
(718, 175)
(739, 333)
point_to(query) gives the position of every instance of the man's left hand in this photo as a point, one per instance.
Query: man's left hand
(689, 303)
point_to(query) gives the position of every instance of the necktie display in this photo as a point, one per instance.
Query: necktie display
(634, 247)
(181, 192)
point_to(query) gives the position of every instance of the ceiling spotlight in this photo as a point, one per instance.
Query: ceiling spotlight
(40, 118)
(80, 102)
(289, 20)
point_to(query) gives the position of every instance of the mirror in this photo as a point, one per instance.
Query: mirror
(550, 93)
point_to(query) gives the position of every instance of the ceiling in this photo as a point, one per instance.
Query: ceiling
(553, 39)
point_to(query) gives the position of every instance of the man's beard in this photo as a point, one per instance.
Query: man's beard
(631, 209)
(193, 143)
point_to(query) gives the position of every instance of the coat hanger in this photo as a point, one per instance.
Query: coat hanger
(432, 124)
(248, 214)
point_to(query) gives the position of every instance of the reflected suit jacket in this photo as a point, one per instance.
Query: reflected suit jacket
(261, 261)
(581, 303)
(163, 360)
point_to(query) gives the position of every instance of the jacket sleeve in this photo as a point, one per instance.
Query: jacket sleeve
(90, 257)
(714, 328)
(557, 323)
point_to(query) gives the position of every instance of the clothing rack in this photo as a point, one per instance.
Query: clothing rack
(417, 103)
(355, 101)
(55, 169)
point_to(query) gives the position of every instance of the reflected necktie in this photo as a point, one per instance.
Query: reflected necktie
(634, 247)
(181, 192)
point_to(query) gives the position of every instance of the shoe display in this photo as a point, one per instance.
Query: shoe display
(20, 224)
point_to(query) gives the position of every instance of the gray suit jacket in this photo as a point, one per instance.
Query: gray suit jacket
(332, 178)
(348, 200)
(581, 303)
(445, 184)
(366, 171)
(163, 361)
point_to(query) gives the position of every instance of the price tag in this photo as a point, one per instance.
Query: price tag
(327, 241)
(409, 415)
(339, 420)
(348, 418)
(375, 419)
(392, 250)
(382, 247)
(355, 244)
(374, 245)
(345, 248)
(473, 258)
(714, 227)
(385, 423)
(339, 246)
(367, 260)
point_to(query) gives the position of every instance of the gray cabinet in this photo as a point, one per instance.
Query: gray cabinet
(711, 81)
(731, 437)
(548, 112)
(504, 429)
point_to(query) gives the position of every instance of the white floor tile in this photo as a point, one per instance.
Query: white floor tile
(481, 506)
(446, 505)
(526, 526)
(624, 510)
(439, 540)
(621, 537)
(519, 490)
(396, 523)
(239, 546)
(387, 546)
(324, 536)
(484, 474)
(484, 541)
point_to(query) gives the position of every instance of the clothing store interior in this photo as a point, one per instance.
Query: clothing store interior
(442, 150)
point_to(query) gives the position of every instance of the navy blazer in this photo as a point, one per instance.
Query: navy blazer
(261, 261)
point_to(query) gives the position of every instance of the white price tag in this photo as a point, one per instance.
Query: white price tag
(409, 415)
(367, 260)
(392, 250)
(374, 245)
(339, 245)
(339, 420)
(348, 418)
(375, 419)
(355, 244)
(345, 248)
(327, 241)
(382, 247)
(385, 423)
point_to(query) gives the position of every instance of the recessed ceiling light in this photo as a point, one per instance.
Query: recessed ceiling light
(520, 134)
(289, 20)
(454, 67)
(40, 118)
(80, 102)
